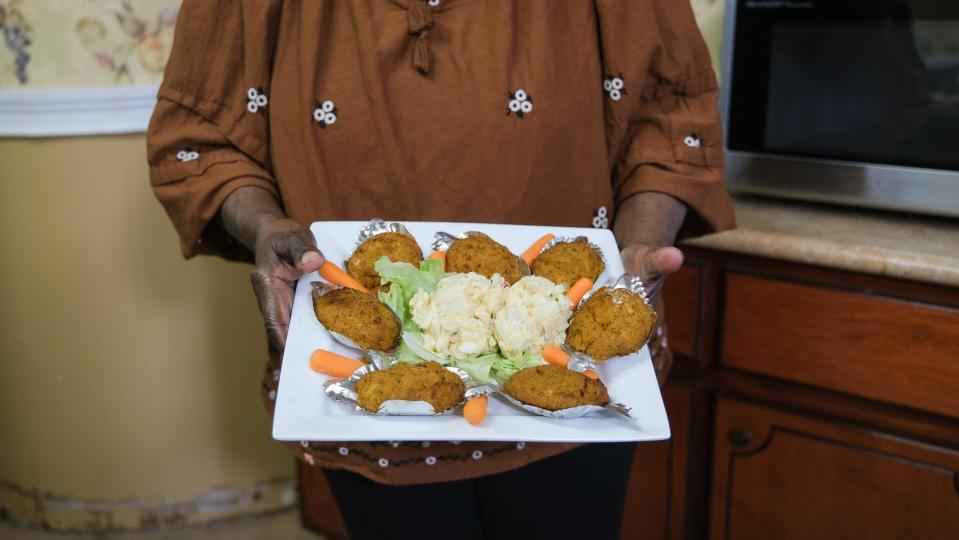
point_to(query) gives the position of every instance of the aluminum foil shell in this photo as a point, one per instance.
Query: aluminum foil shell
(572, 412)
(578, 362)
(630, 282)
(570, 240)
(345, 391)
(378, 226)
(443, 240)
(320, 288)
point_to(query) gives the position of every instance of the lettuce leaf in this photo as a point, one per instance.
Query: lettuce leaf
(405, 281)
(478, 368)
(405, 354)
(495, 367)
(504, 368)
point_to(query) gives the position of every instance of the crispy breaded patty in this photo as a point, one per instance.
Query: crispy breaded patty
(427, 381)
(568, 262)
(397, 247)
(612, 322)
(555, 387)
(359, 316)
(481, 254)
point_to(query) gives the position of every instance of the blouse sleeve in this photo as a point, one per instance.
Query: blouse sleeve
(664, 132)
(209, 134)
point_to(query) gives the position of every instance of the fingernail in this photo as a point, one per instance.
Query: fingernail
(309, 257)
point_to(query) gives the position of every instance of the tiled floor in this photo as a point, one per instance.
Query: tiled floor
(279, 526)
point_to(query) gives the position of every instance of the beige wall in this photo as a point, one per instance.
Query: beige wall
(128, 374)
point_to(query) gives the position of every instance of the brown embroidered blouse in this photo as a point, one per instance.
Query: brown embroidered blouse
(533, 112)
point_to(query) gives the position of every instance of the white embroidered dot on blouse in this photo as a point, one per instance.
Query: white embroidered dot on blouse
(325, 114)
(383, 462)
(430, 460)
(601, 218)
(477, 454)
(433, 3)
(614, 86)
(520, 103)
(692, 141)
(187, 154)
(344, 450)
(256, 100)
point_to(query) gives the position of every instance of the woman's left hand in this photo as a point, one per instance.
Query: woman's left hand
(651, 263)
(646, 226)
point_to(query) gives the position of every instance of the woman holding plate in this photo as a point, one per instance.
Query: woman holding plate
(603, 113)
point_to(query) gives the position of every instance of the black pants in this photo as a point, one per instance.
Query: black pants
(577, 494)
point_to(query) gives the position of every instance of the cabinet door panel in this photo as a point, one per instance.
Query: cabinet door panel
(778, 475)
(868, 346)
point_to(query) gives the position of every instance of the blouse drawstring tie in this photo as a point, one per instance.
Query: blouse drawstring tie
(420, 19)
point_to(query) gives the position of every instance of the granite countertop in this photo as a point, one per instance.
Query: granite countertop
(889, 244)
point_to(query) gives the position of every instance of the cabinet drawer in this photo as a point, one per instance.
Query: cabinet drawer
(869, 346)
(785, 476)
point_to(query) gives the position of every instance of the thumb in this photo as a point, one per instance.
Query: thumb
(660, 262)
(298, 249)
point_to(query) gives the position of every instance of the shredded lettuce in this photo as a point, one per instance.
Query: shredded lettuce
(405, 281)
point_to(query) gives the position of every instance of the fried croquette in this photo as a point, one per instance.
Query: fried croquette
(397, 247)
(611, 322)
(359, 316)
(568, 262)
(555, 387)
(427, 381)
(481, 254)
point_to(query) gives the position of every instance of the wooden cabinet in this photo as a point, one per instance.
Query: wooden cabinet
(820, 404)
(780, 475)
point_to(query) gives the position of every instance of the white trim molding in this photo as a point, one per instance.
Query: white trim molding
(85, 111)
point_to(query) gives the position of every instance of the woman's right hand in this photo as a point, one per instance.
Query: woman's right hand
(285, 250)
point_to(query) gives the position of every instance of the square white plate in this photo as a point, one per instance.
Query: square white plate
(304, 413)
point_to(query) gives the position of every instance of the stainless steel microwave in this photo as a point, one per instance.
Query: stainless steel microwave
(844, 101)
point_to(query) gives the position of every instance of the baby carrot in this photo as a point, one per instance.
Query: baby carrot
(591, 374)
(556, 356)
(335, 275)
(439, 256)
(578, 290)
(475, 410)
(530, 254)
(330, 363)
